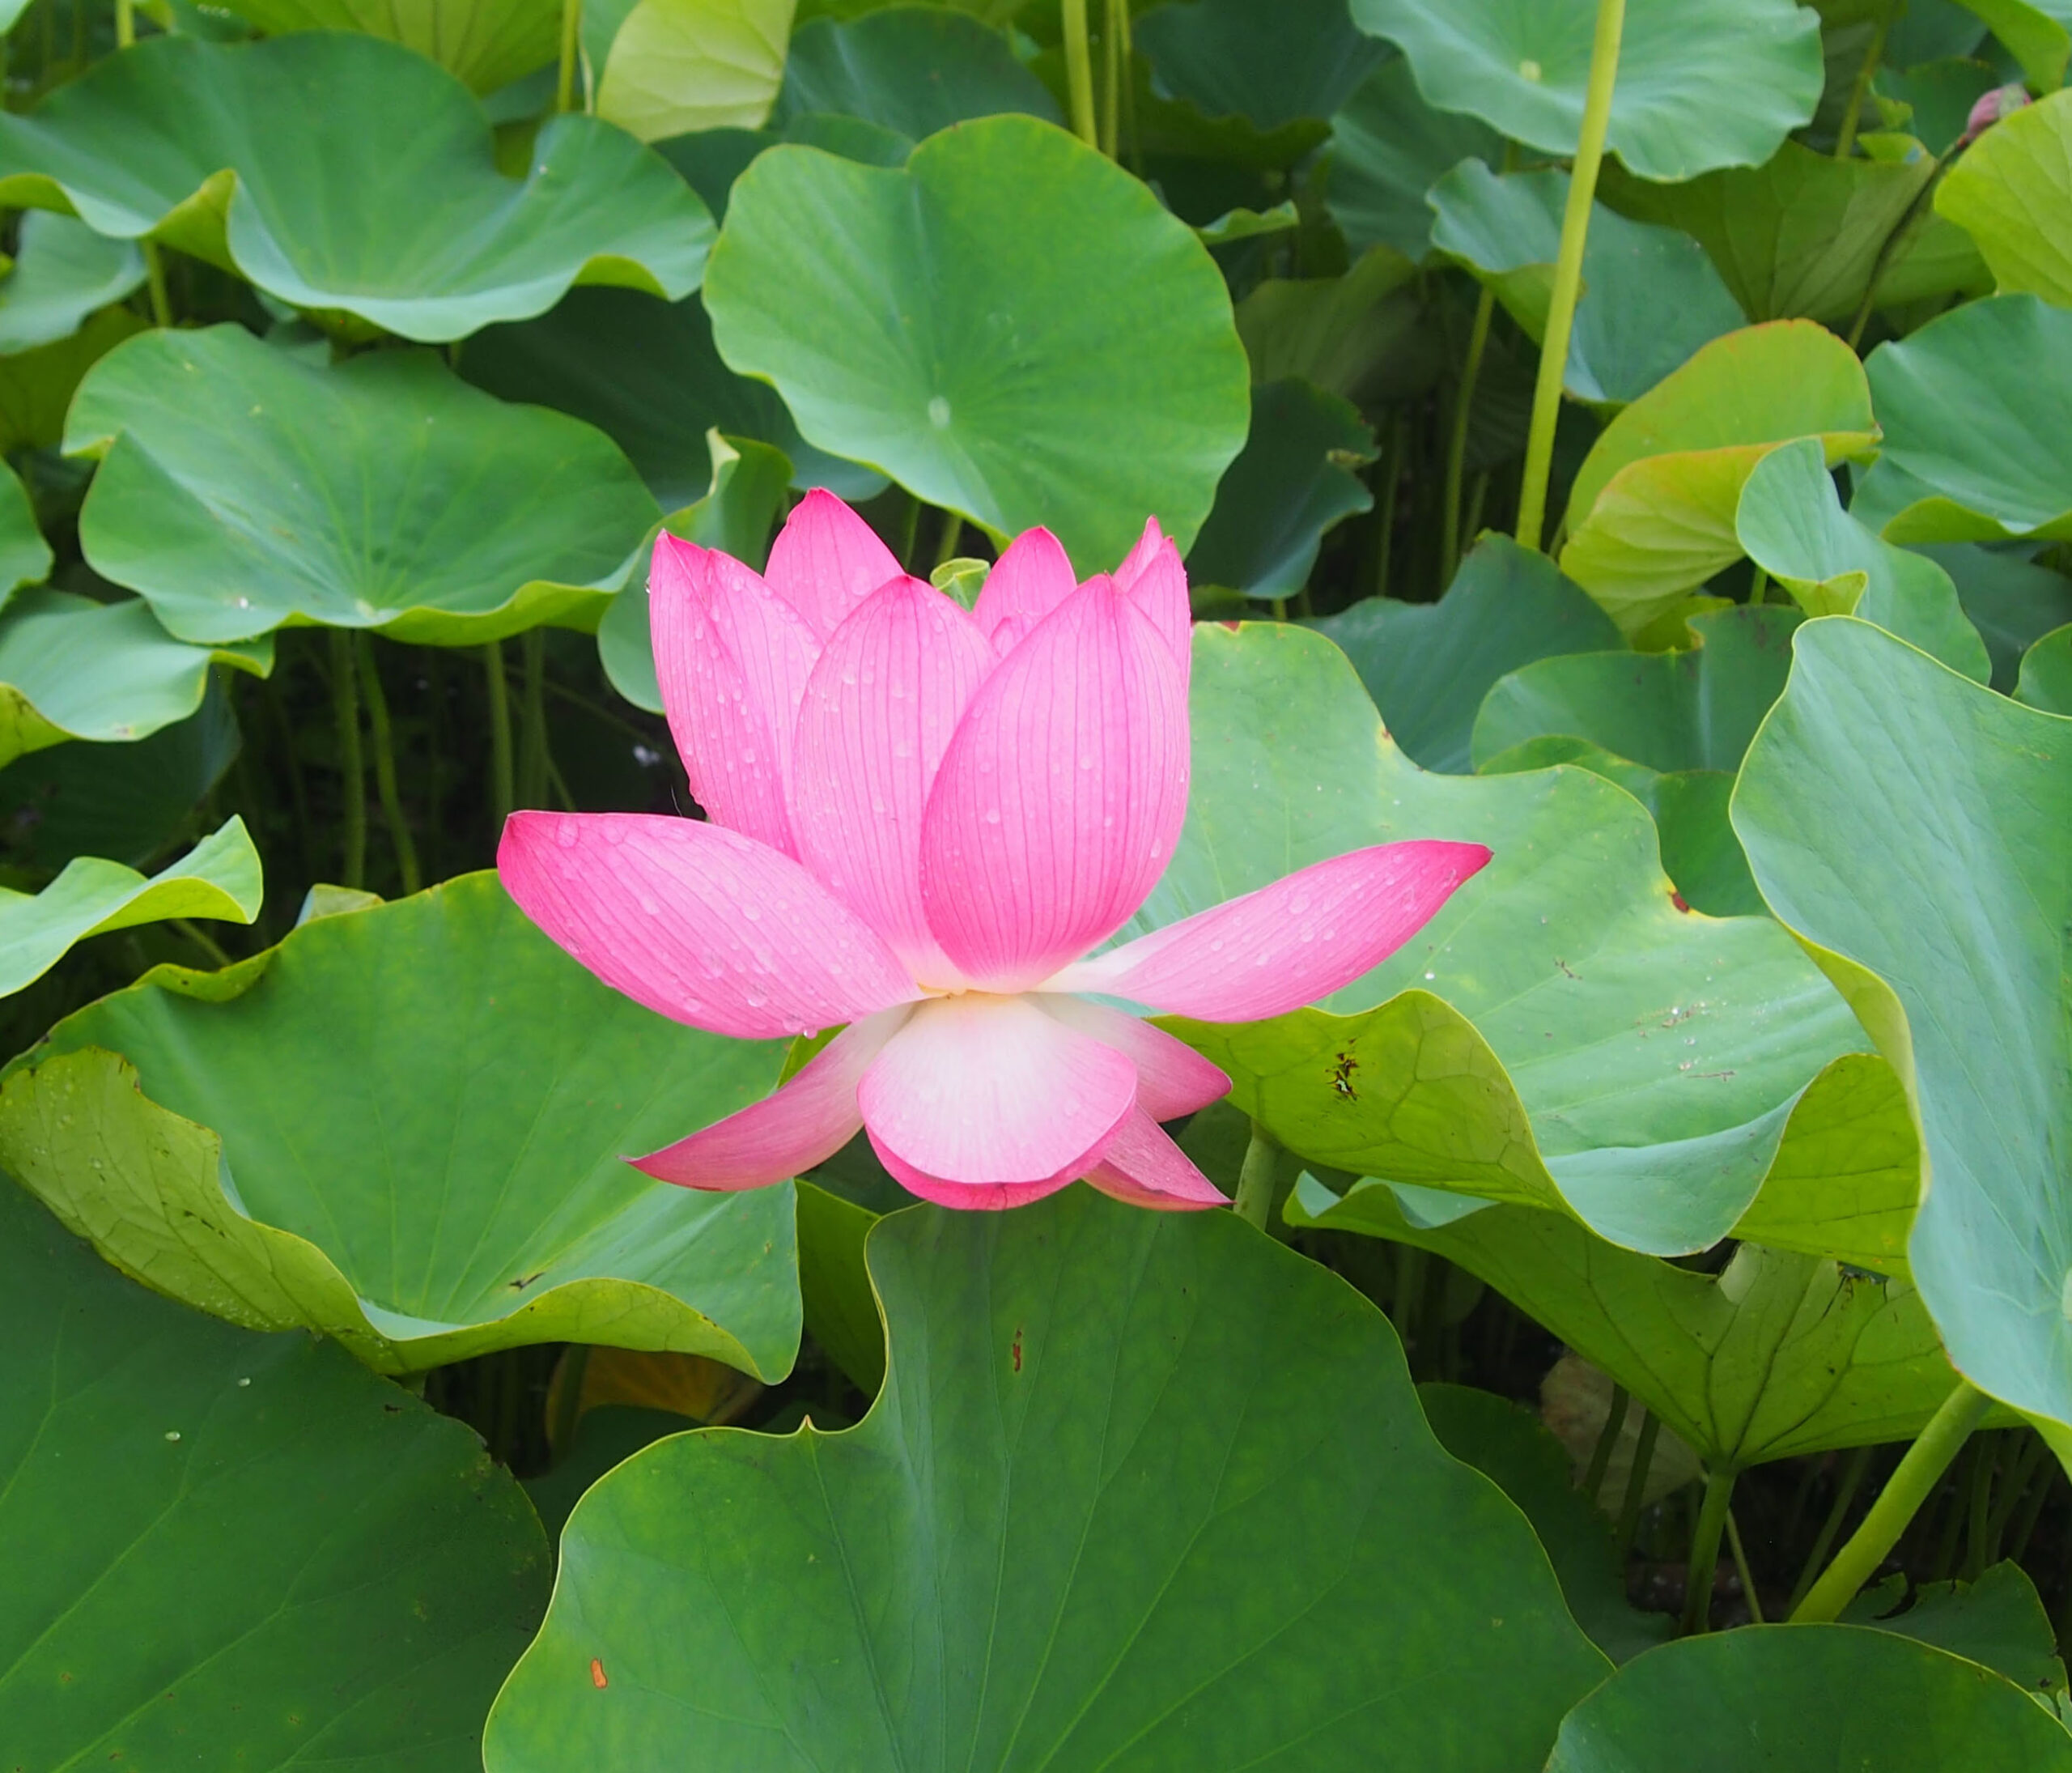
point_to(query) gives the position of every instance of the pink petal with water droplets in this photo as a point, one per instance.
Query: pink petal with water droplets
(732, 663)
(1286, 944)
(1172, 1078)
(826, 560)
(1031, 579)
(1061, 796)
(1153, 578)
(805, 1122)
(978, 1090)
(1143, 1166)
(879, 710)
(697, 922)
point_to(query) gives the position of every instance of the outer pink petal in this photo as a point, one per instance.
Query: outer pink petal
(1153, 578)
(1061, 795)
(978, 1090)
(1031, 579)
(805, 1123)
(880, 708)
(981, 1197)
(1286, 944)
(732, 663)
(826, 560)
(1172, 1078)
(1143, 1166)
(697, 922)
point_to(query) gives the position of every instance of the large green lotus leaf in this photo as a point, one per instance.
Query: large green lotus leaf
(736, 516)
(25, 556)
(1702, 83)
(1140, 1492)
(36, 386)
(960, 324)
(244, 488)
(71, 668)
(1652, 512)
(2011, 192)
(2037, 33)
(1998, 1621)
(1560, 1034)
(1387, 148)
(195, 144)
(1362, 337)
(219, 878)
(2046, 679)
(225, 1549)
(127, 800)
(1808, 1699)
(1429, 666)
(1515, 1451)
(1800, 235)
(1908, 825)
(486, 43)
(404, 1127)
(1291, 484)
(1780, 1353)
(2011, 600)
(1651, 297)
(911, 70)
(1975, 447)
(1271, 66)
(63, 271)
(1691, 710)
(644, 372)
(1790, 523)
(676, 66)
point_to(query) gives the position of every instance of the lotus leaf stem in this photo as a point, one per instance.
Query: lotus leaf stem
(1637, 1481)
(1703, 1569)
(1470, 369)
(352, 761)
(1740, 1569)
(1079, 72)
(1600, 1458)
(1568, 273)
(503, 793)
(1908, 1486)
(385, 768)
(1873, 55)
(564, 79)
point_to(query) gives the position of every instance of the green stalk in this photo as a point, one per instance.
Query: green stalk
(1600, 1458)
(1822, 1541)
(1477, 341)
(201, 940)
(125, 24)
(564, 78)
(953, 533)
(384, 768)
(1568, 273)
(1255, 1202)
(1111, 78)
(503, 789)
(2040, 1492)
(1897, 1504)
(1740, 1569)
(1079, 72)
(1846, 140)
(1981, 1513)
(532, 760)
(352, 763)
(1637, 1481)
(1758, 586)
(125, 35)
(1391, 478)
(1703, 1569)
(2021, 1479)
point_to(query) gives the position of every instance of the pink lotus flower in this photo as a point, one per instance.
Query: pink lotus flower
(921, 822)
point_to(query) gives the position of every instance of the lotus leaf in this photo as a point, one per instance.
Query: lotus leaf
(676, 66)
(1388, 147)
(2015, 177)
(63, 271)
(322, 1136)
(1140, 1492)
(980, 371)
(433, 243)
(486, 43)
(1270, 66)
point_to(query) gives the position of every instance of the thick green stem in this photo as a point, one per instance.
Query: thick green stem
(384, 768)
(1600, 1458)
(1740, 1569)
(125, 24)
(1470, 369)
(1637, 1481)
(1079, 72)
(533, 758)
(1702, 1570)
(1111, 78)
(1897, 1504)
(1845, 139)
(503, 786)
(1254, 1203)
(1568, 273)
(564, 78)
(352, 762)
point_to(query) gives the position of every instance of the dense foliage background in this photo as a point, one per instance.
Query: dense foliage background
(351, 358)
